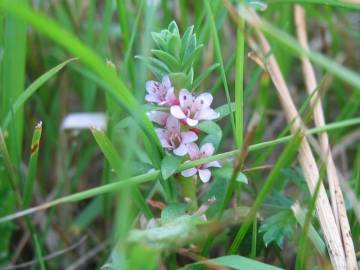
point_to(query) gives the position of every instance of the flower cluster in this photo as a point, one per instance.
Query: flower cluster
(182, 112)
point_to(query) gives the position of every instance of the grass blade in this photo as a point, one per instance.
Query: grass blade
(30, 179)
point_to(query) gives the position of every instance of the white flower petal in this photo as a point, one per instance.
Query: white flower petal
(181, 150)
(191, 122)
(203, 101)
(152, 98)
(189, 172)
(162, 133)
(166, 82)
(150, 85)
(177, 112)
(207, 114)
(186, 99)
(207, 149)
(188, 137)
(204, 175)
(193, 150)
(158, 117)
(173, 124)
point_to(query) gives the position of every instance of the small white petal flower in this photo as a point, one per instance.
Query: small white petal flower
(172, 138)
(196, 153)
(161, 93)
(192, 109)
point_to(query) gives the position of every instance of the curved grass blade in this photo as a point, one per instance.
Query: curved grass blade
(32, 89)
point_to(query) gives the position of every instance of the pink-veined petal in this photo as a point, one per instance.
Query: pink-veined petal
(186, 99)
(177, 112)
(189, 172)
(193, 150)
(165, 143)
(166, 82)
(170, 97)
(158, 117)
(173, 124)
(162, 133)
(150, 86)
(212, 164)
(203, 101)
(207, 114)
(181, 150)
(188, 136)
(192, 122)
(204, 175)
(152, 98)
(207, 149)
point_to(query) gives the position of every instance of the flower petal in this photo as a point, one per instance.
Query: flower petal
(158, 117)
(188, 137)
(191, 122)
(207, 149)
(186, 99)
(189, 172)
(173, 124)
(212, 164)
(193, 150)
(203, 101)
(166, 82)
(181, 150)
(207, 114)
(204, 175)
(162, 133)
(177, 112)
(152, 98)
(150, 86)
(170, 97)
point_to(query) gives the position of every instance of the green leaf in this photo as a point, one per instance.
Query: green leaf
(31, 175)
(238, 263)
(224, 110)
(185, 40)
(169, 60)
(169, 165)
(226, 173)
(278, 227)
(33, 88)
(214, 133)
(173, 211)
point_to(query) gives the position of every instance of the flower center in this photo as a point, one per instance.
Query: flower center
(175, 139)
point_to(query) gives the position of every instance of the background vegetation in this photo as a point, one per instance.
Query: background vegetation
(104, 190)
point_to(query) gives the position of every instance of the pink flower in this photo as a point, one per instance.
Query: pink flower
(161, 93)
(196, 153)
(192, 109)
(158, 117)
(173, 139)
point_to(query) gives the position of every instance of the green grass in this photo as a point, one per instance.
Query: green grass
(117, 188)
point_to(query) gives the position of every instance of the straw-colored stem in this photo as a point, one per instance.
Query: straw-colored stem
(336, 195)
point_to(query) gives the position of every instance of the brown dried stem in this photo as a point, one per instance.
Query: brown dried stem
(336, 195)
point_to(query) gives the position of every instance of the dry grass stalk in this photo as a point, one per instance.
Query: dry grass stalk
(336, 195)
(306, 157)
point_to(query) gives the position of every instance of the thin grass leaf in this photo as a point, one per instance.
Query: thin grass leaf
(112, 156)
(220, 59)
(284, 159)
(32, 88)
(33, 163)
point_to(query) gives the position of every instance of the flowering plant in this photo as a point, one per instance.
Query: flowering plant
(180, 112)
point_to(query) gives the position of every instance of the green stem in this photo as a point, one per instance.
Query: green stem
(189, 190)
